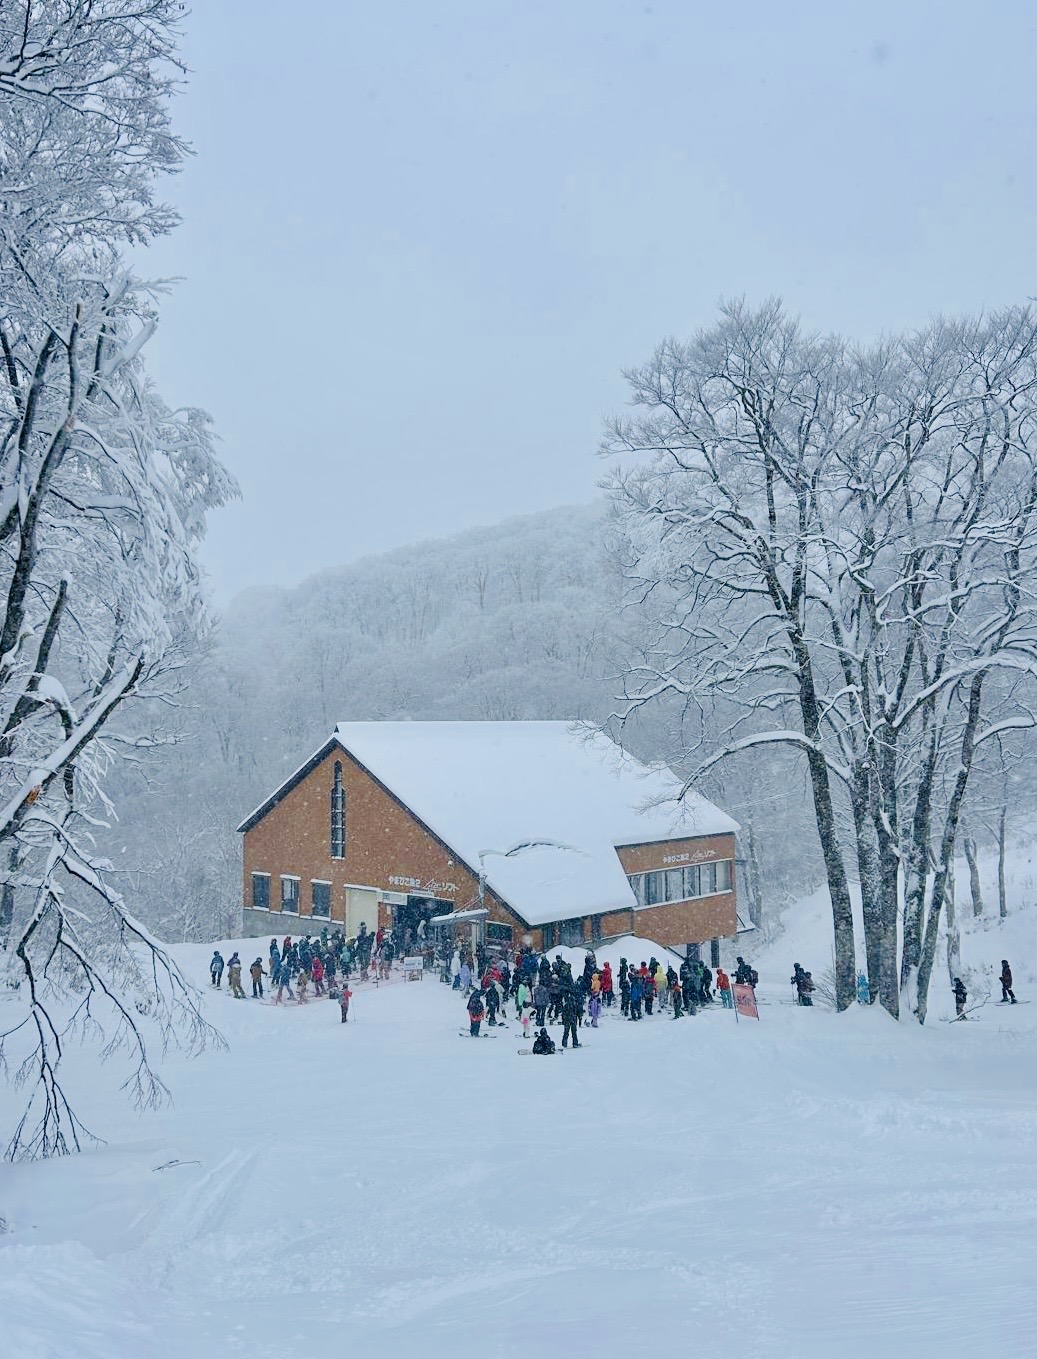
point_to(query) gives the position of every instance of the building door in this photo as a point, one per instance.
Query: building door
(361, 906)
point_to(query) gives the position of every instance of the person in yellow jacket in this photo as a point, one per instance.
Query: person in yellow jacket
(662, 989)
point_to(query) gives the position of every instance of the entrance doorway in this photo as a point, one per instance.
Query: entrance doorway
(408, 920)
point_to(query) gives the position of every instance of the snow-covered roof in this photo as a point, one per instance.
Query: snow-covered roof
(488, 787)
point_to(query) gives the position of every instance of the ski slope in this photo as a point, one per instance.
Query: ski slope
(811, 1185)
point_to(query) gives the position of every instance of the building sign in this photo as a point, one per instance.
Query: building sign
(416, 885)
(676, 858)
(745, 1001)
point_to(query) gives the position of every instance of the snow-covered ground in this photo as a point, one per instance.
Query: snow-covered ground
(809, 1185)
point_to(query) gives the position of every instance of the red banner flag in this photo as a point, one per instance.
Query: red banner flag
(745, 1000)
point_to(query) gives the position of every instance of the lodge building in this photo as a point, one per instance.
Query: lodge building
(505, 832)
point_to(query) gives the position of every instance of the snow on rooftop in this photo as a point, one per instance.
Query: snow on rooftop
(486, 787)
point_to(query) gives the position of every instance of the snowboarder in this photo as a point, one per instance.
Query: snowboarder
(594, 1007)
(543, 1044)
(795, 979)
(635, 987)
(570, 1016)
(960, 998)
(1006, 983)
(492, 1000)
(344, 1000)
(475, 1012)
(465, 976)
(257, 974)
(216, 968)
(541, 1000)
(524, 1007)
(863, 990)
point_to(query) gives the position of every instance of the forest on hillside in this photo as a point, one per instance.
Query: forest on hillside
(521, 620)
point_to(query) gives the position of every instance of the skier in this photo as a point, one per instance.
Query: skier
(594, 1007)
(344, 1000)
(647, 988)
(524, 1007)
(636, 988)
(804, 987)
(475, 1012)
(541, 1000)
(256, 973)
(624, 988)
(724, 987)
(543, 1044)
(492, 1000)
(465, 976)
(863, 990)
(744, 974)
(234, 977)
(606, 985)
(216, 968)
(284, 981)
(570, 1016)
(960, 997)
(1006, 983)
(317, 974)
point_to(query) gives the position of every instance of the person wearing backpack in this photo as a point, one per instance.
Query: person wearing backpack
(960, 998)
(256, 973)
(543, 1044)
(475, 1012)
(570, 1016)
(216, 968)
(344, 1000)
(1006, 983)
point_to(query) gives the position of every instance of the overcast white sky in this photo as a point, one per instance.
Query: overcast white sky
(421, 238)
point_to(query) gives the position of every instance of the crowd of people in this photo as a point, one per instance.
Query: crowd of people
(542, 991)
(324, 962)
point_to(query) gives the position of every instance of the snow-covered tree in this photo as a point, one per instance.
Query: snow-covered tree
(836, 549)
(103, 494)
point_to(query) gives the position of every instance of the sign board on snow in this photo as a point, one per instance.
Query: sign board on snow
(745, 1001)
(413, 968)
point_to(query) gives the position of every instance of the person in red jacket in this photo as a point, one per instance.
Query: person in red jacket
(606, 984)
(724, 987)
(317, 975)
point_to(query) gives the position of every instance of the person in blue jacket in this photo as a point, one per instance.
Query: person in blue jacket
(216, 968)
(636, 994)
(863, 990)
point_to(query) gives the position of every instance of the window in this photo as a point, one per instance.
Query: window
(321, 899)
(290, 894)
(674, 884)
(681, 884)
(498, 934)
(570, 933)
(261, 891)
(338, 815)
(549, 937)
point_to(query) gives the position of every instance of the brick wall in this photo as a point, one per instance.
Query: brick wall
(384, 841)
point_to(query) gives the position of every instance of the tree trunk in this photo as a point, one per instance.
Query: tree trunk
(1002, 898)
(975, 885)
(945, 866)
(953, 933)
(868, 873)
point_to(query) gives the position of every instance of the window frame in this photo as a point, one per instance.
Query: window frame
(253, 905)
(337, 837)
(315, 883)
(286, 909)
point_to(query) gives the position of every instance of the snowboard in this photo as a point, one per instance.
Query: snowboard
(528, 1052)
(464, 1033)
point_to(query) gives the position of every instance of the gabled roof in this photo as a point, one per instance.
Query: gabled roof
(487, 788)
